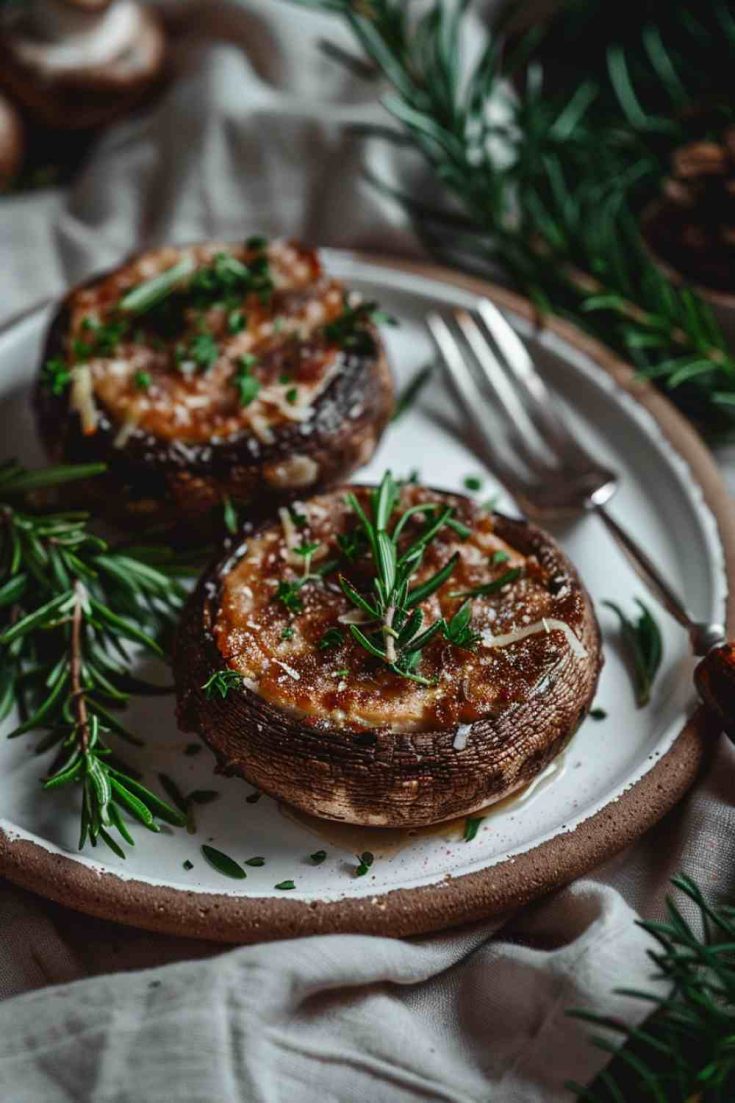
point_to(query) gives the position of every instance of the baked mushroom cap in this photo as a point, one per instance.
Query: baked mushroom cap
(77, 65)
(278, 666)
(11, 142)
(213, 373)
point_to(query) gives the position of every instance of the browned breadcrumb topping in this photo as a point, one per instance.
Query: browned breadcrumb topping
(279, 334)
(278, 651)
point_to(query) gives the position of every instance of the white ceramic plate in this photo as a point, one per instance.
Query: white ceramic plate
(660, 499)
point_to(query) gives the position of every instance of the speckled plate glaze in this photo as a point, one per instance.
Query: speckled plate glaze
(617, 777)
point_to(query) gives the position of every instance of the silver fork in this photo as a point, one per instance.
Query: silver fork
(550, 474)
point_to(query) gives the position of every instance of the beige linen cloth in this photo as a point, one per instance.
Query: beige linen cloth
(254, 136)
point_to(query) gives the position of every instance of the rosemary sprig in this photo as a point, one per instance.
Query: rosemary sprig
(643, 643)
(559, 211)
(685, 1051)
(400, 635)
(71, 607)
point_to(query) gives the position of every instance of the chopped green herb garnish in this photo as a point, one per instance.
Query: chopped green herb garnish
(318, 857)
(642, 638)
(351, 329)
(299, 519)
(289, 595)
(598, 714)
(229, 515)
(491, 587)
(244, 380)
(499, 557)
(203, 350)
(288, 633)
(292, 395)
(458, 629)
(257, 861)
(471, 827)
(104, 336)
(142, 380)
(365, 861)
(411, 391)
(56, 375)
(340, 673)
(227, 280)
(352, 544)
(472, 482)
(256, 241)
(279, 324)
(331, 638)
(223, 863)
(285, 886)
(221, 682)
(187, 864)
(236, 321)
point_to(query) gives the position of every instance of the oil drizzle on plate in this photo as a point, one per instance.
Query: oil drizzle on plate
(385, 841)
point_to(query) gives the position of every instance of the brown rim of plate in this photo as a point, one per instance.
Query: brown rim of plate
(454, 900)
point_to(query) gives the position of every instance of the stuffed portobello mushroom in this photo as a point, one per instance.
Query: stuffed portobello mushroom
(390, 656)
(213, 374)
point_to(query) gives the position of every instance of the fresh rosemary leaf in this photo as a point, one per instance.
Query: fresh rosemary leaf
(426, 589)
(471, 827)
(229, 515)
(458, 629)
(598, 714)
(318, 857)
(394, 640)
(285, 886)
(221, 682)
(331, 638)
(491, 587)
(141, 299)
(472, 482)
(223, 863)
(365, 861)
(257, 862)
(644, 646)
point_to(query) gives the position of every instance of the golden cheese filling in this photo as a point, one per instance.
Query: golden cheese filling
(283, 621)
(242, 343)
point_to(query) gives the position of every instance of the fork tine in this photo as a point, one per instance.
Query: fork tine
(534, 394)
(472, 400)
(488, 377)
(520, 423)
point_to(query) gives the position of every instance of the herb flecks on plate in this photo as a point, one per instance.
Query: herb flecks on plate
(641, 637)
(223, 863)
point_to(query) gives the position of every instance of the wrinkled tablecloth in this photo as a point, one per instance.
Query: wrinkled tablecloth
(254, 135)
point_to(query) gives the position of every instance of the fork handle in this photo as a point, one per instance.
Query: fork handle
(714, 678)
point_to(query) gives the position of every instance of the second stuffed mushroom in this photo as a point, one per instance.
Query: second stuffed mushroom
(211, 374)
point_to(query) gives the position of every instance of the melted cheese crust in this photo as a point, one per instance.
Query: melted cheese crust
(294, 362)
(278, 653)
